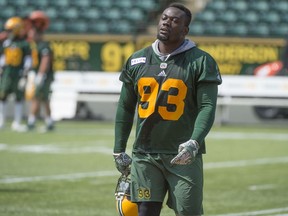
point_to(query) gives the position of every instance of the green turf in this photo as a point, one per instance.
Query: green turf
(71, 172)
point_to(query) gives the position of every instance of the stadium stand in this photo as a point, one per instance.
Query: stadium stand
(238, 18)
(244, 18)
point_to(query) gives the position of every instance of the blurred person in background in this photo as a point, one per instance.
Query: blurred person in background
(15, 62)
(174, 86)
(43, 68)
(3, 36)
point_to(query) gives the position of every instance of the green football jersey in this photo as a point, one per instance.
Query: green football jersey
(15, 52)
(40, 49)
(166, 95)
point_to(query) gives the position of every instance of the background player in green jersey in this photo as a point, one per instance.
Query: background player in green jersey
(15, 62)
(173, 86)
(42, 64)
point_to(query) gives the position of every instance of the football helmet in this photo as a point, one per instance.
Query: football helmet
(15, 26)
(122, 194)
(39, 20)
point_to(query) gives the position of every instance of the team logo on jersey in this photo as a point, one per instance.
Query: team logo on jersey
(162, 73)
(138, 60)
(163, 65)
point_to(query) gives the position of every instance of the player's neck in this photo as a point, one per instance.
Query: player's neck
(166, 47)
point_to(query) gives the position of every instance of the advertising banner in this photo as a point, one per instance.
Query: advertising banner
(108, 53)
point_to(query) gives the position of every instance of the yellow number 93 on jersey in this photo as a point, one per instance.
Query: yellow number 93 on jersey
(122, 194)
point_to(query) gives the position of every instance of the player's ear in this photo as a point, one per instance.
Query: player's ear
(186, 30)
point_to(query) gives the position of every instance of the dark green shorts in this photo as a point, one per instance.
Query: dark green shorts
(43, 92)
(153, 177)
(9, 84)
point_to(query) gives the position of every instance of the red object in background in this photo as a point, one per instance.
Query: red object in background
(3, 36)
(268, 69)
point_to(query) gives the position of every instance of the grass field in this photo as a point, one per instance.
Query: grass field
(71, 171)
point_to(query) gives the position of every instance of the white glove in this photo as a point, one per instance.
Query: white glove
(186, 153)
(39, 79)
(22, 83)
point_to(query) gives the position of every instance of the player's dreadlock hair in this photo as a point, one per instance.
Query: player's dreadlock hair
(185, 10)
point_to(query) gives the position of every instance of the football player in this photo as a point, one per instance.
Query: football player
(173, 86)
(15, 62)
(43, 67)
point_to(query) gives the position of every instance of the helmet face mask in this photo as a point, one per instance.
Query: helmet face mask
(122, 195)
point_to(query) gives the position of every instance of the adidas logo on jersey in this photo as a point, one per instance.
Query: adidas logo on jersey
(162, 73)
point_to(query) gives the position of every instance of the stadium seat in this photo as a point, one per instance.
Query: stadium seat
(51, 13)
(59, 3)
(147, 5)
(8, 12)
(279, 6)
(239, 5)
(121, 27)
(259, 5)
(196, 28)
(217, 5)
(134, 14)
(100, 27)
(3, 3)
(123, 4)
(80, 3)
(39, 3)
(90, 14)
(226, 17)
(284, 18)
(237, 29)
(104, 4)
(77, 26)
(259, 30)
(215, 29)
(25, 11)
(112, 13)
(248, 17)
(57, 26)
(69, 13)
(205, 16)
(272, 17)
(280, 30)
(19, 3)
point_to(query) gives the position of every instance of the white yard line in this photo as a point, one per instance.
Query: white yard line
(73, 176)
(56, 149)
(261, 212)
(245, 163)
(68, 177)
(47, 211)
(245, 136)
(98, 146)
(262, 187)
